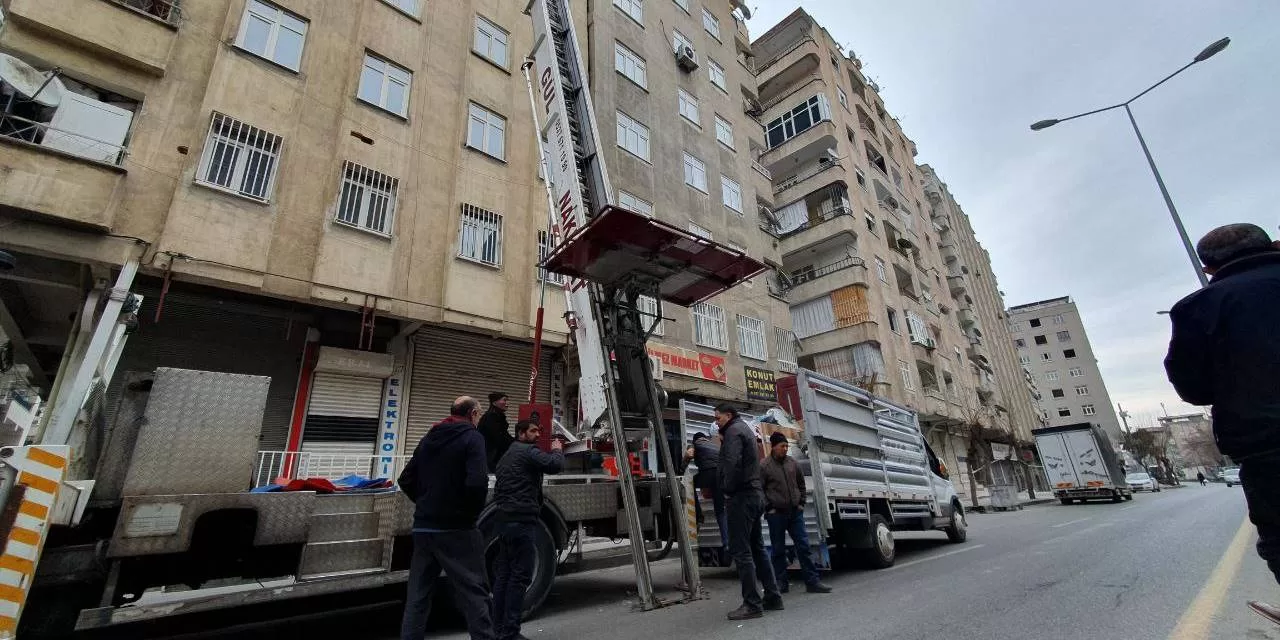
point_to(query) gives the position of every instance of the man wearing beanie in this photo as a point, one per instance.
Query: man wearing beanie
(784, 494)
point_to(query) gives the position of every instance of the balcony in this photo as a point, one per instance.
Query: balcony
(845, 272)
(958, 284)
(949, 252)
(137, 33)
(795, 187)
(759, 168)
(781, 73)
(977, 353)
(807, 146)
(841, 337)
(48, 174)
(741, 39)
(838, 224)
(967, 317)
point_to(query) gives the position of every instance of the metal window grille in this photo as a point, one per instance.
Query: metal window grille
(1082, 390)
(487, 132)
(167, 10)
(904, 369)
(1088, 409)
(239, 158)
(630, 65)
(480, 236)
(784, 342)
(708, 326)
(1076, 372)
(546, 244)
(491, 41)
(700, 231)
(368, 199)
(651, 313)
(751, 342)
(633, 136)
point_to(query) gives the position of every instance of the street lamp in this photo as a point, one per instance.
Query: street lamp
(1205, 54)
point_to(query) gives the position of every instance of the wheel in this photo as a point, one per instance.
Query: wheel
(883, 551)
(1129, 497)
(1228, 484)
(544, 563)
(958, 530)
(1117, 497)
(1066, 501)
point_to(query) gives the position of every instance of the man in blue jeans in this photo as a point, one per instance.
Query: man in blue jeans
(784, 493)
(517, 492)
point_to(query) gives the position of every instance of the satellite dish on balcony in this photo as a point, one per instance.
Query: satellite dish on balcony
(42, 87)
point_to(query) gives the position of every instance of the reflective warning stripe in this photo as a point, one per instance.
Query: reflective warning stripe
(40, 471)
(691, 511)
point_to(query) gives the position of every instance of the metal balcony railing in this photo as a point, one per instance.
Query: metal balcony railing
(800, 277)
(825, 216)
(45, 135)
(761, 170)
(166, 10)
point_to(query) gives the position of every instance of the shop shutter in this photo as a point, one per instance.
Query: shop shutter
(343, 409)
(449, 363)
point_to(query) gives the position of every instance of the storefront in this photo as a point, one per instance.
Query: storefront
(344, 411)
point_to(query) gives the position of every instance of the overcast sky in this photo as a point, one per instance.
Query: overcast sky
(1073, 210)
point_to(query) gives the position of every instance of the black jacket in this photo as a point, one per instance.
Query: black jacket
(496, 430)
(707, 456)
(518, 489)
(739, 468)
(1225, 352)
(783, 484)
(446, 477)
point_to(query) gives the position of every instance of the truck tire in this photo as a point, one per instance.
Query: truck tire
(1066, 501)
(1128, 496)
(544, 564)
(1117, 497)
(883, 551)
(958, 530)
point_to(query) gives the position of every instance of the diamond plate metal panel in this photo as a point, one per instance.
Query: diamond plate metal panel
(402, 520)
(336, 527)
(200, 435)
(282, 518)
(386, 506)
(590, 501)
(335, 557)
(338, 503)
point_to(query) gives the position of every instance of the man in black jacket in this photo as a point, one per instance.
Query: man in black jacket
(739, 476)
(705, 453)
(518, 496)
(1225, 352)
(784, 496)
(447, 480)
(495, 429)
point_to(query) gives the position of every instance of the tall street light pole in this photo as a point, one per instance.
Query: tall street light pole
(1207, 53)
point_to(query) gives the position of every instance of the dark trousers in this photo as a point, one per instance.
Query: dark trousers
(717, 504)
(461, 555)
(514, 572)
(1260, 478)
(781, 525)
(746, 545)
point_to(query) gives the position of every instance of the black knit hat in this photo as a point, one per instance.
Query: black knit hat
(777, 438)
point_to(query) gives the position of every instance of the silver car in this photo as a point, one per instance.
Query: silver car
(1142, 481)
(1231, 476)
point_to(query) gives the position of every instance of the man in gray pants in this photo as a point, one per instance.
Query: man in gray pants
(739, 477)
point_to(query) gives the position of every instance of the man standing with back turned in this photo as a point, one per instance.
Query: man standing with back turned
(1225, 352)
(448, 483)
(739, 473)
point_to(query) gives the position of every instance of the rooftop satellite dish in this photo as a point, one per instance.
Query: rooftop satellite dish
(46, 88)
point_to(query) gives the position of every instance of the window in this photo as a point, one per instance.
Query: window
(711, 24)
(916, 328)
(904, 370)
(1069, 353)
(239, 158)
(1059, 393)
(1025, 360)
(1076, 372)
(785, 344)
(724, 132)
(751, 338)
(731, 194)
(650, 313)
(893, 320)
(630, 65)
(1059, 319)
(385, 85)
(1082, 390)
(1064, 336)
(480, 236)
(1020, 343)
(487, 132)
(633, 136)
(367, 200)
(695, 173)
(680, 41)
(1042, 340)
(633, 8)
(1051, 376)
(636, 204)
(717, 75)
(1046, 357)
(408, 6)
(491, 42)
(844, 99)
(871, 223)
(708, 326)
(270, 32)
(1034, 322)
(700, 231)
(683, 4)
(798, 120)
(881, 272)
(1088, 410)
(1064, 412)
(545, 247)
(689, 107)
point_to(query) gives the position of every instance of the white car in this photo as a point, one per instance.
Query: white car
(1140, 481)
(1231, 476)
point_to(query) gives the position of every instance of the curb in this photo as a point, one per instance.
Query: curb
(986, 508)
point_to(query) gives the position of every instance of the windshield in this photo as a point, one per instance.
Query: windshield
(1234, 471)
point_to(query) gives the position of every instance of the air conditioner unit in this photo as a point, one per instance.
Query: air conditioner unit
(687, 58)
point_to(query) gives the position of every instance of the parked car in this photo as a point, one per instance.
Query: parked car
(1231, 476)
(1142, 481)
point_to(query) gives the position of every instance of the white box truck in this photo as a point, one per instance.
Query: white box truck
(1081, 463)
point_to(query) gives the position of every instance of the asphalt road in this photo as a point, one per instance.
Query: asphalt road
(1179, 564)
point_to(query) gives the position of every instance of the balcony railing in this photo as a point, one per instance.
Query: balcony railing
(274, 466)
(45, 135)
(825, 216)
(761, 170)
(801, 177)
(847, 262)
(166, 10)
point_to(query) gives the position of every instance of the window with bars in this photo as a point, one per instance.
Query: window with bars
(633, 136)
(1051, 376)
(908, 382)
(695, 173)
(385, 84)
(1064, 336)
(267, 31)
(1076, 372)
(630, 65)
(700, 231)
(491, 42)
(716, 73)
(546, 243)
(367, 200)
(635, 203)
(751, 342)
(784, 342)
(708, 326)
(711, 23)
(480, 236)
(1088, 410)
(731, 194)
(239, 158)
(487, 132)
(1024, 360)
(1082, 390)
(916, 328)
(724, 132)
(633, 8)
(651, 313)
(689, 107)
(844, 99)
(881, 271)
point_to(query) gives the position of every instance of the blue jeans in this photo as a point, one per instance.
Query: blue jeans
(781, 525)
(514, 572)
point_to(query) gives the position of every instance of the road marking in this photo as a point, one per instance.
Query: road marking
(1128, 507)
(1065, 524)
(940, 555)
(1197, 620)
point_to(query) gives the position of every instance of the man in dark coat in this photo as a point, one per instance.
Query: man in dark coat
(705, 454)
(495, 429)
(739, 480)
(784, 496)
(1225, 352)
(448, 483)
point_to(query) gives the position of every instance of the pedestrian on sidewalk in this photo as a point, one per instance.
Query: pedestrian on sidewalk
(447, 480)
(739, 480)
(517, 493)
(784, 494)
(496, 429)
(1225, 352)
(1200, 477)
(705, 453)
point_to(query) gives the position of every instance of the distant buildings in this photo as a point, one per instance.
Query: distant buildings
(1192, 433)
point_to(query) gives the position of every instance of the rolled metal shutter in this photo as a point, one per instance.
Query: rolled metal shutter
(343, 409)
(448, 363)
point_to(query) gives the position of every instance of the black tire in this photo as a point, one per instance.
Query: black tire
(958, 530)
(883, 550)
(1228, 484)
(544, 565)
(1117, 497)
(1129, 497)
(1066, 501)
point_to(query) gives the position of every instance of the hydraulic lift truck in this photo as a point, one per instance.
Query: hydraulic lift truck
(164, 500)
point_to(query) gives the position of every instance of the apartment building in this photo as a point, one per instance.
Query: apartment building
(344, 197)
(1051, 341)
(868, 270)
